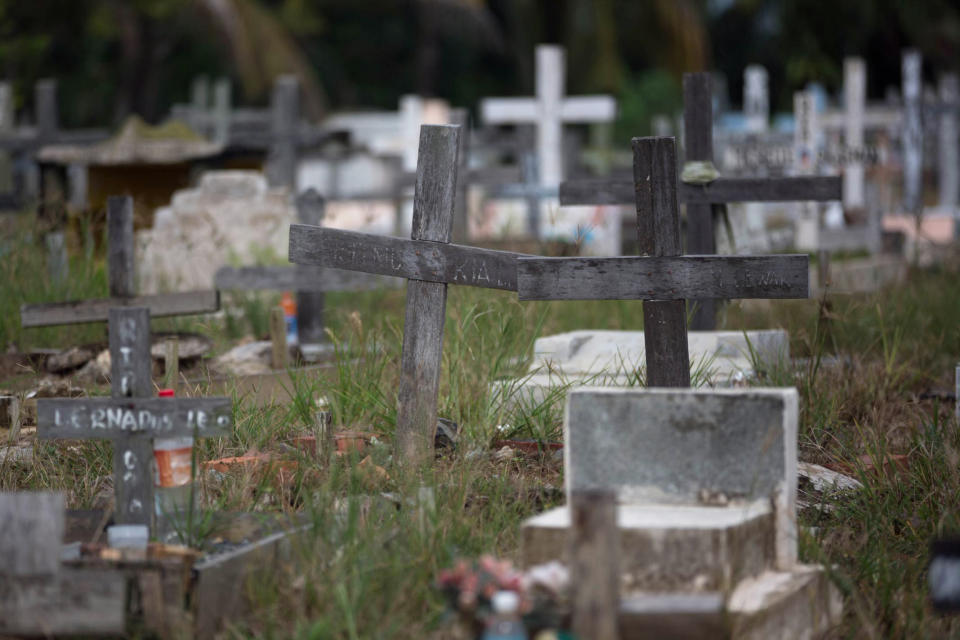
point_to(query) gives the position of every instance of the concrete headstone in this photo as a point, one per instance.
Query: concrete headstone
(231, 217)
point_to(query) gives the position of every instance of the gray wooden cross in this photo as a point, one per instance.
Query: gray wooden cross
(429, 262)
(132, 416)
(699, 198)
(120, 273)
(665, 277)
(308, 282)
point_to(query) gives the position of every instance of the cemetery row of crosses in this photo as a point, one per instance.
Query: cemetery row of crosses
(393, 410)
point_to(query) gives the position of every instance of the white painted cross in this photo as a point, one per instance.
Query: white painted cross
(756, 98)
(548, 111)
(854, 104)
(912, 132)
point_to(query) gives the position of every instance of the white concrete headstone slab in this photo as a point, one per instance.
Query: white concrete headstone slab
(688, 447)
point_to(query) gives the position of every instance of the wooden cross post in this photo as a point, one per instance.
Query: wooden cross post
(429, 262)
(309, 283)
(121, 278)
(664, 278)
(132, 416)
(699, 198)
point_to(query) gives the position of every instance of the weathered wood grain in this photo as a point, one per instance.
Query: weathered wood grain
(302, 278)
(130, 375)
(665, 278)
(82, 311)
(433, 207)
(120, 270)
(281, 166)
(411, 259)
(108, 418)
(31, 532)
(658, 228)
(722, 190)
(698, 129)
(75, 602)
(595, 565)
(38, 596)
(311, 208)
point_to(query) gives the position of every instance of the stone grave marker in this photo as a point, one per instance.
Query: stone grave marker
(121, 278)
(308, 282)
(700, 198)
(706, 485)
(38, 596)
(548, 111)
(132, 416)
(663, 277)
(429, 262)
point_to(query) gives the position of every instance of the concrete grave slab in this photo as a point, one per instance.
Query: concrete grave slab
(688, 447)
(670, 547)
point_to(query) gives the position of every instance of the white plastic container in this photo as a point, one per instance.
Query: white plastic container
(128, 536)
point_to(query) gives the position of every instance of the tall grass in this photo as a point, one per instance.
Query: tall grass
(365, 568)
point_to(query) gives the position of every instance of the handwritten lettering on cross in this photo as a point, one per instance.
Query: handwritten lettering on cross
(132, 417)
(699, 198)
(429, 262)
(663, 278)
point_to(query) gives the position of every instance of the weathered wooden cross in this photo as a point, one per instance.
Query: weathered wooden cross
(664, 278)
(120, 273)
(132, 416)
(429, 262)
(699, 198)
(308, 282)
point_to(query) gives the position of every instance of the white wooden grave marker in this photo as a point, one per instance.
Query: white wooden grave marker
(912, 132)
(548, 111)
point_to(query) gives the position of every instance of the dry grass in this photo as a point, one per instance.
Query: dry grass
(366, 570)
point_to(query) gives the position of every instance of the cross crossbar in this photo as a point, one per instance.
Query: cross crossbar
(120, 272)
(107, 418)
(663, 278)
(720, 191)
(411, 259)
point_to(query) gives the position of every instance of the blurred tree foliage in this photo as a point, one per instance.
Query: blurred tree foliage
(114, 57)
